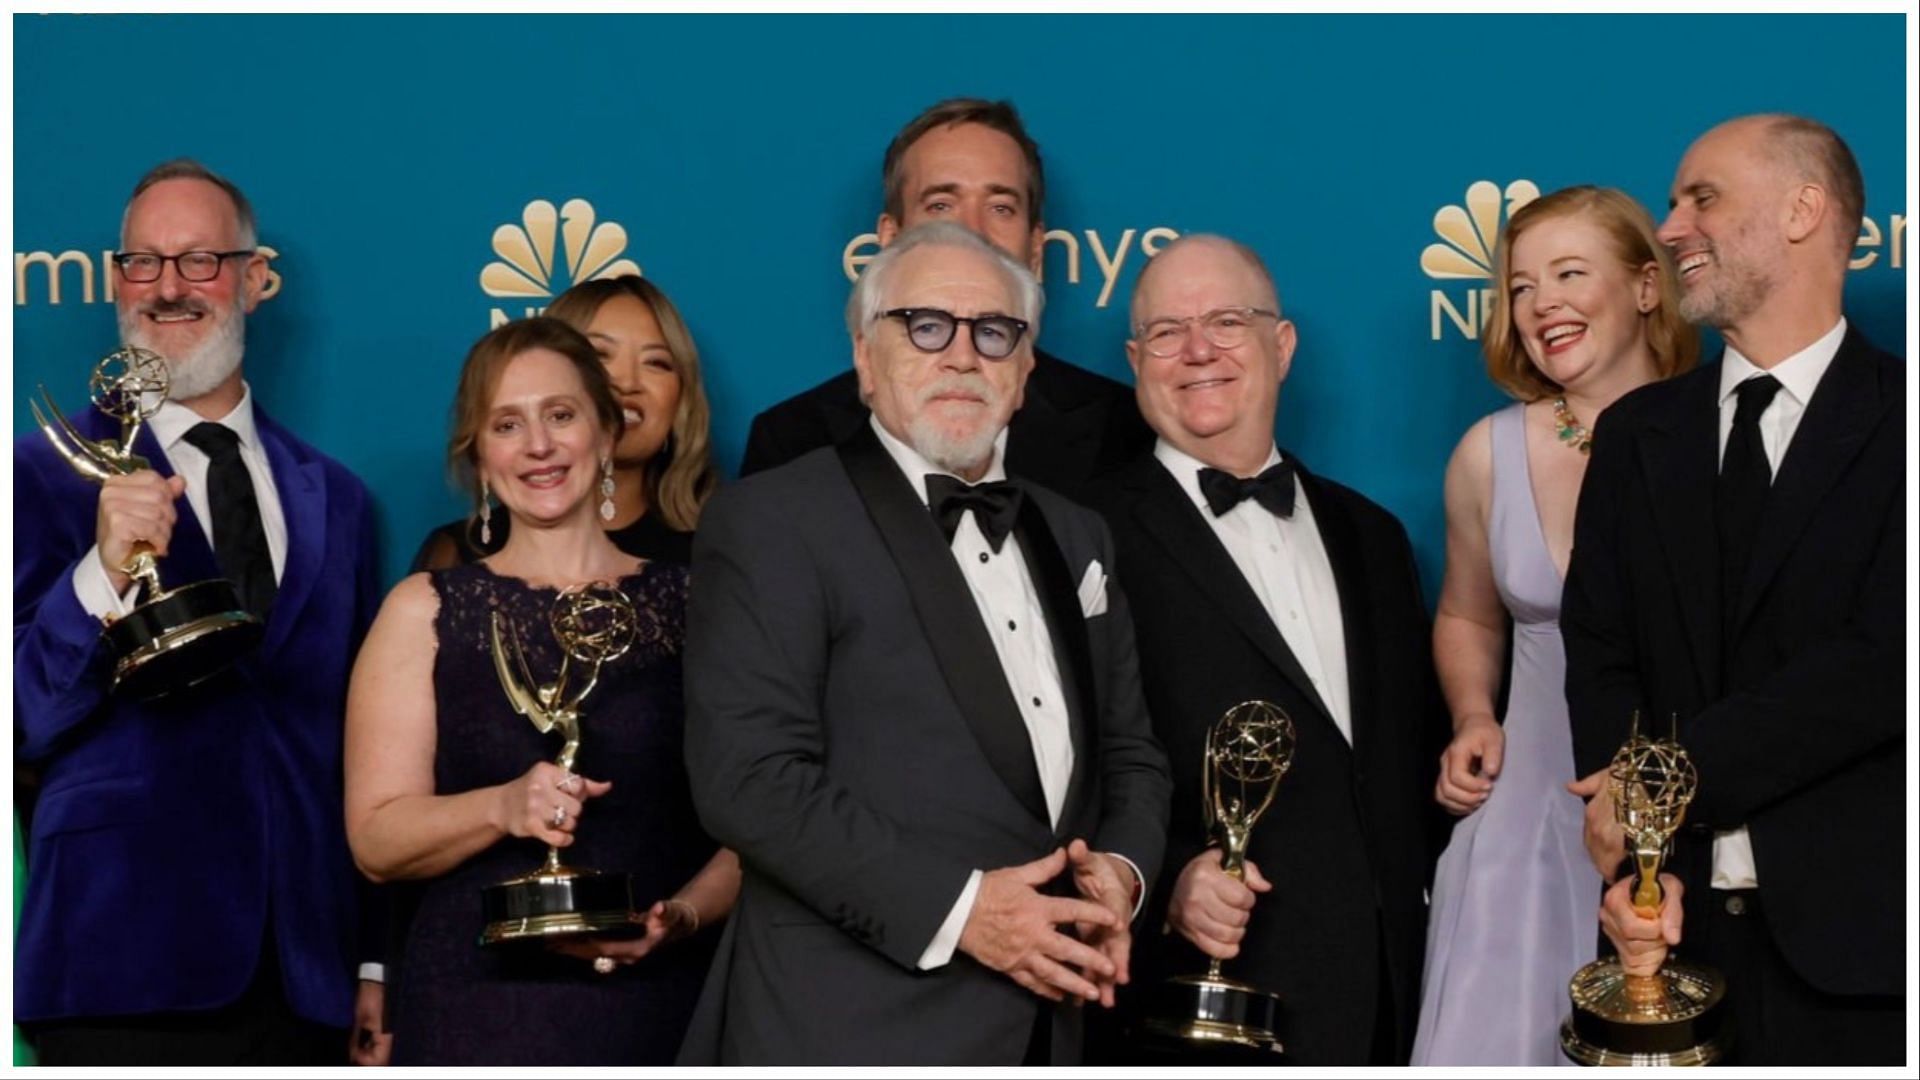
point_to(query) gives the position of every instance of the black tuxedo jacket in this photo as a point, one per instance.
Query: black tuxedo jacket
(1797, 722)
(1073, 426)
(851, 734)
(1349, 839)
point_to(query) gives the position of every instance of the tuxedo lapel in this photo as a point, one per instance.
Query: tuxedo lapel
(1067, 628)
(1681, 462)
(1164, 512)
(1845, 409)
(303, 502)
(947, 615)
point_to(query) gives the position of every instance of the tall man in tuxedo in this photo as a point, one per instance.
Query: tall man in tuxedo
(971, 161)
(1254, 579)
(190, 898)
(1737, 563)
(913, 708)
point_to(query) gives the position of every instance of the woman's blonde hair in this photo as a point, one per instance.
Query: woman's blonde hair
(1674, 342)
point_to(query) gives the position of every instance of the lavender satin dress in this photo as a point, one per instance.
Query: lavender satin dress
(1514, 897)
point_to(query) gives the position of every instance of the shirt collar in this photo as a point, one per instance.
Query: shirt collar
(1186, 468)
(1799, 374)
(171, 422)
(917, 467)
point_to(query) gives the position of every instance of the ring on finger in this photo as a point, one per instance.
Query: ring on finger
(559, 817)
(567, 782)
(603, 964)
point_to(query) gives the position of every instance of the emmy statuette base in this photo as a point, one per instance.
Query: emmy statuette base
(181, 637)
(548, 904)
(1214, 1009)
(1681, 1023)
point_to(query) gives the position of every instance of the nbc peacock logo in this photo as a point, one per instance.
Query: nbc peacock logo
(1468, 231)
(549, 251)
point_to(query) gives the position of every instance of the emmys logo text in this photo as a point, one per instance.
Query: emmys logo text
(58, 275)
(1109, 255)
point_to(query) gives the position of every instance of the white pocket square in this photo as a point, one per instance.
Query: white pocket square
(1093, 591)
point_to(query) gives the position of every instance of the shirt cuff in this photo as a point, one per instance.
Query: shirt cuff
(373, 973)
(1139, 883)
(95, 592)
(940, 950)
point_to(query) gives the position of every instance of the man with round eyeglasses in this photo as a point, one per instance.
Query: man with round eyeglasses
(190, 898)
(913, 709)
(1255, 579)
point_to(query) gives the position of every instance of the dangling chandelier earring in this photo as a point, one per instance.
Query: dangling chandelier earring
(606, 489)
(486, 515)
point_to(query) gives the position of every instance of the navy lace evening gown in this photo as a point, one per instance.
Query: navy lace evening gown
(451, 1002)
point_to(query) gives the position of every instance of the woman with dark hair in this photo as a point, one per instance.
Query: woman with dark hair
(449, 790)
(1585, 309)
(662, 465)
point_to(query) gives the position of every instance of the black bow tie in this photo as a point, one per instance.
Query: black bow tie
(994, 506)
(1272, 489)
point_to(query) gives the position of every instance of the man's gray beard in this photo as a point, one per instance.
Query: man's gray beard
(1743, 275)
(956, 455)
(203, 369)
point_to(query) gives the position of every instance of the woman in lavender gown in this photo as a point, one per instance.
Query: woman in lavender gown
(1585, 310)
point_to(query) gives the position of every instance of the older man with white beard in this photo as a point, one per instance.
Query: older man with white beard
(190, 899)
(913, 708)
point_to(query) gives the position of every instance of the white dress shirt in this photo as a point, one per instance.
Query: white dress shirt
(1004, 594)
(1285, 562)
(170, 425)
(1799, 376)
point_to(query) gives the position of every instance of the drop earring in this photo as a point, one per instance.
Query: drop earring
(486, 516)
(606, 489)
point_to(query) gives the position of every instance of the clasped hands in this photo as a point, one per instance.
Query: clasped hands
(1014, 928)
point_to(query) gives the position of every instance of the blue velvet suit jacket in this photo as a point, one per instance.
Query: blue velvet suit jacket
(169, 832)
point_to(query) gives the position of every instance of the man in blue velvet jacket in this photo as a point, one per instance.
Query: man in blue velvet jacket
(190, 896)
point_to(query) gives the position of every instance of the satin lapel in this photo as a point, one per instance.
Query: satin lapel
(303, 500)
(1072, 656)
(1680, 462)
(1163, 510)
(947, 614)
(1342, 543)
(1846, 407)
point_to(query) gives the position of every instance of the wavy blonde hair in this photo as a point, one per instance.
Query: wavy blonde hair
(1674, 341)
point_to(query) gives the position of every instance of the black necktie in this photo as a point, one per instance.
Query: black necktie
(1272, 489)
(1741, 494)
(239, 539)
(994, 505)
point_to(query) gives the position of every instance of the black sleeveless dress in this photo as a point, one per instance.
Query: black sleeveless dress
(451, 1002)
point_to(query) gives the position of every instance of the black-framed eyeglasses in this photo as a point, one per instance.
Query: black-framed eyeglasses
(141, 267)
(1225, 327)
(931, 330)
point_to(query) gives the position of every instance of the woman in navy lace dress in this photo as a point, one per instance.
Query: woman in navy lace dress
(449, 790)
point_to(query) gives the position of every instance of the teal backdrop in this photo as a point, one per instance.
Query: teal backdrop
(736, 161)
